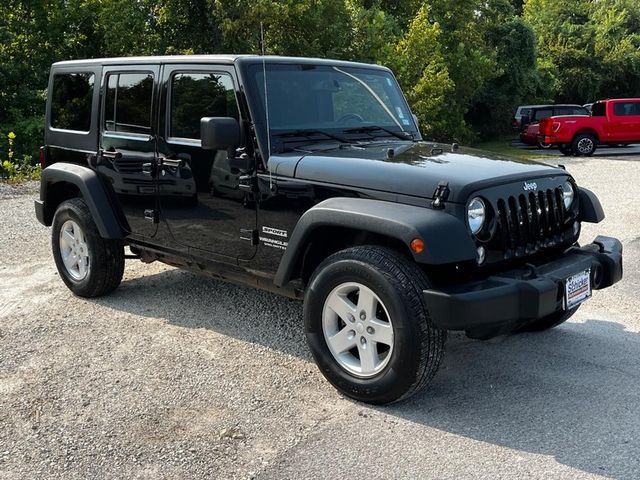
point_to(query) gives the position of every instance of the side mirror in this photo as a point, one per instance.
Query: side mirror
(219, 133)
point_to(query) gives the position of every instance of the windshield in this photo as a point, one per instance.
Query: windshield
(348, 103)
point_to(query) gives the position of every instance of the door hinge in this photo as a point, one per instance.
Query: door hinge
(248, 183)
(151, 215)
(251, 235)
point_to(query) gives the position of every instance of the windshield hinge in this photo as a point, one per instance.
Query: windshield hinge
(440, 195)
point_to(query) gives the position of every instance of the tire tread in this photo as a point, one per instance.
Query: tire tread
(410, 281)
(108, 261)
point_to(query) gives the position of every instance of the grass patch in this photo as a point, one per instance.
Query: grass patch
(504, 146)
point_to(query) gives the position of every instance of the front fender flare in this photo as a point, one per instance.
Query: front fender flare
(446, 237)
(92, 191)
(590, 208)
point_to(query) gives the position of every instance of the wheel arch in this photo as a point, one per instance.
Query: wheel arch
(590, 208)
(338, 223)
(587, 131)
(62, 181)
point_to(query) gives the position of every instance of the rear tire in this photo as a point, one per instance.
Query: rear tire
(549, 321)
(88, 264)
(395, 326)
(544, 146)
(584, 145)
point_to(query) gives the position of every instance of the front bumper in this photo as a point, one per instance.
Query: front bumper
(503, 302)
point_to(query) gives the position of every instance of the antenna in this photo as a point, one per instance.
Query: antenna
(266, 104)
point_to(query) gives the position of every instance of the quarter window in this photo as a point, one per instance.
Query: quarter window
(71, 101)
(197, 95)
(128, 103)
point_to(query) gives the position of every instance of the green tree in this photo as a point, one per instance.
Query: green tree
(421, 69)
(518, 80)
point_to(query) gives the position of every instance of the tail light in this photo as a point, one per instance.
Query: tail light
(545, 126)
(43, 159)
(514, 122)
(548, 126)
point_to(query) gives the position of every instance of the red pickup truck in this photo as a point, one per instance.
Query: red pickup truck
(612, 122)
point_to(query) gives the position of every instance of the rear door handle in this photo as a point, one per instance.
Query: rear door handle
(148, 169)
(112, 156)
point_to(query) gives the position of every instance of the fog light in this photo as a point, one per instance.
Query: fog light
(481, 255)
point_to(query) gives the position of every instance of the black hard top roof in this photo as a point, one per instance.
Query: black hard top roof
(216, 59)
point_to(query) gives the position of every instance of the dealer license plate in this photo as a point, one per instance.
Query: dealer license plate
(577, 288)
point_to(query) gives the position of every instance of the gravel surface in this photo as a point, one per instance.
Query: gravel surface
(180, 376)
(12, 190)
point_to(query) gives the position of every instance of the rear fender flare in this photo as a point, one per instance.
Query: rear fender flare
(93, 193)
(446, 237)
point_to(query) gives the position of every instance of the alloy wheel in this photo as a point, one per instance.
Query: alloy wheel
(74, 250)
(358, 329)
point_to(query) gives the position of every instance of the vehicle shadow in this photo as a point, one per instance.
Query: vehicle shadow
(572, 393)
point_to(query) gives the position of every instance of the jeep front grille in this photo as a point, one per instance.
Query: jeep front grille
(531, 221)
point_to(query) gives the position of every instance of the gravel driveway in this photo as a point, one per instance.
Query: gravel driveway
(180, 376)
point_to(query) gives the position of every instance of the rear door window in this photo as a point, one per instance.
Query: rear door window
(128, 103)
(624, 109)
(71, 98)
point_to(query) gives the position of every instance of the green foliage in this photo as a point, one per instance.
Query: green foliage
(593, 48)
(15, 169)
(518, 81)
(465, 64)
(419, 64)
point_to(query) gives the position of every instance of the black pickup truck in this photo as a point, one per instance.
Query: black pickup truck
(310, 178)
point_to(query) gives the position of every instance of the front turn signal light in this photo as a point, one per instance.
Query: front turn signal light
(417, 245)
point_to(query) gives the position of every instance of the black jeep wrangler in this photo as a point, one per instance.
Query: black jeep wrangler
(310, 178)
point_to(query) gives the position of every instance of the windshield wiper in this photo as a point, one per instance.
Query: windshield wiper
(375, 128)
(309, 134)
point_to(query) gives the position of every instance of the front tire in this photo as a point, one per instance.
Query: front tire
(88, 264)
(367, 325)
(566, 150)
(584, 145)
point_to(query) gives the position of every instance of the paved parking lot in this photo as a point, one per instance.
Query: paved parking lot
(629, 152)
(180, 376)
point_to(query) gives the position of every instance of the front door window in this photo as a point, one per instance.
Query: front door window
(197, 95)
(201, 201)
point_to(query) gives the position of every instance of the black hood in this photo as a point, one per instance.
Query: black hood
(413, 169)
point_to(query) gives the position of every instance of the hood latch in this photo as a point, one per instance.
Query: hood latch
(440, 195)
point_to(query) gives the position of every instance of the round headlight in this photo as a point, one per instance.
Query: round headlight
(567, 194)
(476, 214)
